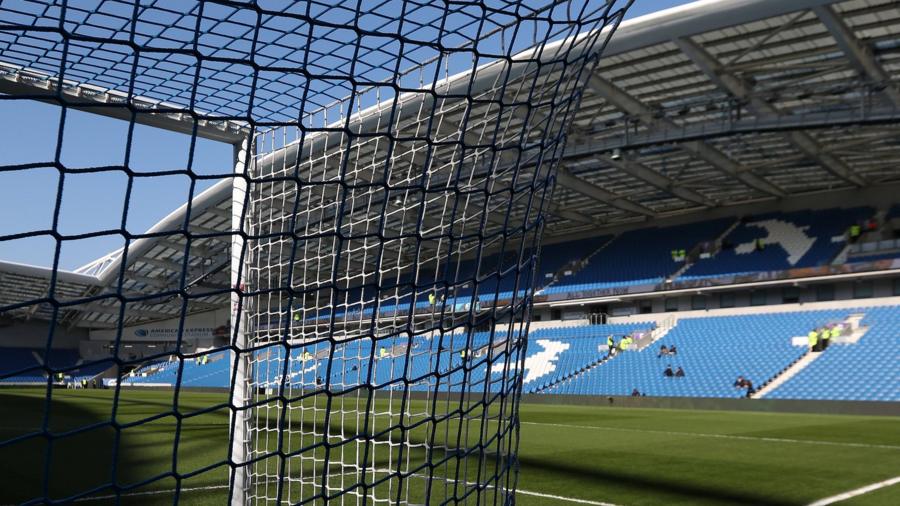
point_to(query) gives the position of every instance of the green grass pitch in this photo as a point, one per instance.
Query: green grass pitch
(623, 456)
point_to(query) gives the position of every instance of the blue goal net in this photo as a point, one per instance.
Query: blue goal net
(340, 314)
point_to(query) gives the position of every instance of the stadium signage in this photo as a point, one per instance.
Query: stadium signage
(197, 326)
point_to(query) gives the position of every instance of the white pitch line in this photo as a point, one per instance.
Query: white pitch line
(149, 492)
(563, 498)
(859, 491)
(720, 436)
(221, 487)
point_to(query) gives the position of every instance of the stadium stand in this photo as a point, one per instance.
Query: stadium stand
(211, 372)
(22, 366)
(863, 371)
(26, 365)
(713, 352)
(641, 256)
(558, 353)
(74, 366)
(797, 239)
(874, 258)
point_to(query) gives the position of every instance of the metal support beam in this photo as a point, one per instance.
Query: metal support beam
(644, 173)
(860, 54)
(569, 180)
(725, 128)
(557, 210)
(712, 155)
(634, 107)
(130, 310)
(37, 85)
(743, 90)
(565, 178)
(195, 251)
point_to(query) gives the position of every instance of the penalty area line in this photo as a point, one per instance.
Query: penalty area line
(855, 492)
(719, 436)
(223, 487)
(149, 492)
(563, 498)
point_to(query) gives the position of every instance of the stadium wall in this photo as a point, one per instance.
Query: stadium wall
(654, 305)
(780, 308)
(200, 328)
(874, 408)
(720, 404)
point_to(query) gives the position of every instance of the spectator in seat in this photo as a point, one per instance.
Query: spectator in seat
(855, 232)
(635, 393)
(673, 350)
(679, 373)
(668, 372)
(750, 389)
(739, 382)
(825, 337)
(662, 351)
(812, 339)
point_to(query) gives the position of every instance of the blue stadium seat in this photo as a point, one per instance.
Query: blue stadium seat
(808, 235)
(865, 371)
(713, 351)
(639, 257)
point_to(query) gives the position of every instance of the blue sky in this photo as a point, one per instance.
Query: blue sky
(94, 202)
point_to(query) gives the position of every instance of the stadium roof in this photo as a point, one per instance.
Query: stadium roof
(711, 104)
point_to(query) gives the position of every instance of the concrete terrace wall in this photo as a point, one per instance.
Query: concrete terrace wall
(718, 404)
(778, 308)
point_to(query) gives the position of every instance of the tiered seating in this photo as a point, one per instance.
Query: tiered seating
(27, 365)
(873, 258)
(797, 239)
(19, 365)
(556, 353)
(713, 352)
(496, 273)
(70, 361)
(640, 257)
(893, 212)
(215, 373)
(866, 371)
(555, 256)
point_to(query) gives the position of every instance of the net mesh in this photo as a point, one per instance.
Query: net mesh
(376, 241)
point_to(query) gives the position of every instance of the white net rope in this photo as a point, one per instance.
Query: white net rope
(370, 276)
(388, 269)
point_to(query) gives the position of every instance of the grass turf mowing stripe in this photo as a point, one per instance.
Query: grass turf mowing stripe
(718, 436)
(855, 492)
